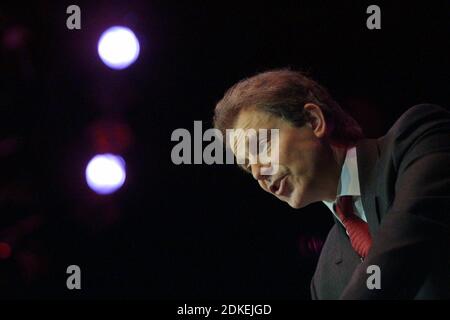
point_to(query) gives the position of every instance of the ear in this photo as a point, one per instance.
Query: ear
(317, 119)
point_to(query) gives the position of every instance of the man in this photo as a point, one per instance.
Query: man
(389, 197)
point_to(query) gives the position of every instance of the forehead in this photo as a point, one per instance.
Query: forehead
(256, 119)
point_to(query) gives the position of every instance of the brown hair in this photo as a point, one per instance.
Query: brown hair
(284, 93)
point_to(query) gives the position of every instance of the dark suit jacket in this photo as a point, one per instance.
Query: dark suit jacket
(405, 188)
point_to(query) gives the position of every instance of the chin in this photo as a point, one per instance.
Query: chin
(298, 201)
(295, 203)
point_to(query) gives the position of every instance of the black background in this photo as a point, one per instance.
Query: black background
(189, 231)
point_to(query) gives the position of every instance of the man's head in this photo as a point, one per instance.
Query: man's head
(313, 132)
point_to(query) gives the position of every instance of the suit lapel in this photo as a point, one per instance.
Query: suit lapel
(367, 156)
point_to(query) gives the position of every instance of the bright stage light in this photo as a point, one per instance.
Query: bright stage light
(105, 173)
(118, 47)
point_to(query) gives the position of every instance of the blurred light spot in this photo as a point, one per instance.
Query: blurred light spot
(105, 173)
(32, 263)
(8, 146)
(111, 136)
(5, 250)
(15, 37)
(118, 47)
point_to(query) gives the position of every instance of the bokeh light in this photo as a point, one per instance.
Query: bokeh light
(5, 250)
(118, 47)
(105, 173)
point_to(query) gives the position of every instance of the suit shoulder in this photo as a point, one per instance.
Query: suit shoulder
(422, 129)
(419, 119)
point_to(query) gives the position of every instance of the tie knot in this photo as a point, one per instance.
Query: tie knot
(344, 206)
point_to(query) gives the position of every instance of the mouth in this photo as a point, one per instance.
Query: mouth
(278, 186)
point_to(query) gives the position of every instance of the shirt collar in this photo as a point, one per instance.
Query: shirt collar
(349, 181)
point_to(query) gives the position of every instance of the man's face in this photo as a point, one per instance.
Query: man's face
(306, 171)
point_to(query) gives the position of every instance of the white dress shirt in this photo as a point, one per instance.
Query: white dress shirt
(349, 185)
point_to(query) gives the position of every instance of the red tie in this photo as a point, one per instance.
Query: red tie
(357, 229)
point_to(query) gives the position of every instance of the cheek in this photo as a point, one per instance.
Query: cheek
(288, 155)
(296, 163)
(304, 161)
(291, 154)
